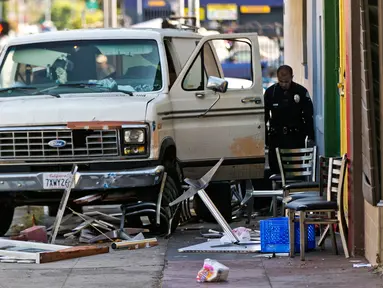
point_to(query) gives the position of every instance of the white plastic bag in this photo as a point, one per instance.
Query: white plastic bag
(212, 271)
(242, 233)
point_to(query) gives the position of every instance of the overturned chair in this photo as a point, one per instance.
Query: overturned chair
(326, 210)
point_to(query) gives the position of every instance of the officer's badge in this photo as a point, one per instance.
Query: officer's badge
(297, 98)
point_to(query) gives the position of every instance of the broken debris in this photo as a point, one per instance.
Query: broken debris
(15, 251)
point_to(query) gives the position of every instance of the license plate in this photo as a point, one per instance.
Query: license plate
(56, 180)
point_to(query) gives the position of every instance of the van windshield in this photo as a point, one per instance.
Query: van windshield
(128, 65)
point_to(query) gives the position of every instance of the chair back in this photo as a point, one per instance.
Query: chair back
(296, 163)
(335, 179)
(323, 174)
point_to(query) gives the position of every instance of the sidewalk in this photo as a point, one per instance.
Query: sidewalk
(321, 268)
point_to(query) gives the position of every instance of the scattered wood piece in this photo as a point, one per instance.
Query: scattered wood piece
(73, 252)
(131, 245)
(23, 250)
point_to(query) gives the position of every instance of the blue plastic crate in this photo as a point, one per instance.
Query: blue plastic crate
(275, 235)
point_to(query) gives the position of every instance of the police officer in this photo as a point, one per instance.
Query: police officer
(289, 115)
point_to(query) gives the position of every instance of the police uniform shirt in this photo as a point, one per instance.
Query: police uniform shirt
(290, 109)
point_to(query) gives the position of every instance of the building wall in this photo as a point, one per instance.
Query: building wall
(331, 93)
(343, 93)
(311, 74)
(373, 231)
(293, 48)
(371, 52)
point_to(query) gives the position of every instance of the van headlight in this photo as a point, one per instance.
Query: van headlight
(134, 142)
(134, 136)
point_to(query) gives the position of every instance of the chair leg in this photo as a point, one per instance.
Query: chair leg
(302, 216)
(291, 215)
(333, 237)
(343, 234)
(275, 206)
(323, 237)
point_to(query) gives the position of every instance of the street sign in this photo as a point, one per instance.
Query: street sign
(91, 4)
(222, 11)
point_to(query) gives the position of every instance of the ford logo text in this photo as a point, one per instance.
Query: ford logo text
(58, 143)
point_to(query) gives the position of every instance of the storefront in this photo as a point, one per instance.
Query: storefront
(252, 14)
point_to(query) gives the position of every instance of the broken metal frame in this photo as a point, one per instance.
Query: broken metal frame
(251, 194)
(63, 204)
(198, 187)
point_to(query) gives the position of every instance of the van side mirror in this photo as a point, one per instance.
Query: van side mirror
(217, 84)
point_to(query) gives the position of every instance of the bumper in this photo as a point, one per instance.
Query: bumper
(21, 182)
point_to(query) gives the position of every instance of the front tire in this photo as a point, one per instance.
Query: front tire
(172, 190)
(7, 210)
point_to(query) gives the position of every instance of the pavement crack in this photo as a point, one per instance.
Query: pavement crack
(267, 276)
(70, 272)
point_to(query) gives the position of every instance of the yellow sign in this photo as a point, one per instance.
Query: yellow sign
(253, 9)
(156, 3)
(222, 11)
(201, 13)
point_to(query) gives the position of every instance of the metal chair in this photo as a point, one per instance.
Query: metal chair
(297, 171)
(299, 190)
(311, 210)
(293, 164)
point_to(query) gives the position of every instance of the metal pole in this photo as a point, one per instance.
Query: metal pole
(113, 12)
(139, 11)
(21, 11)
(196, 11)
(181, 7)
(191, 10)
(47, 11)
(106, 13)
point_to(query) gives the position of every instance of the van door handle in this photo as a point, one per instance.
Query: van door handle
(256, 100)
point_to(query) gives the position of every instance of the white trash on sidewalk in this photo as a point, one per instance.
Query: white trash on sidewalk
(242, 233)
(212, 271)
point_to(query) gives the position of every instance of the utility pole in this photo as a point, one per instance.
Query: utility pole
(193, 6)
(21, 11)
(181, 8)
(113, 13)
(196, 11)
(48, 10)
(106, 13)
(139, 11)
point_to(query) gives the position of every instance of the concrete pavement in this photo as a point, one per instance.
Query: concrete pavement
(136, 268)
(164, 266)
(321, 268)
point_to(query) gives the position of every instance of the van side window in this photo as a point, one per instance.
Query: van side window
(171, 67)
(203, 66)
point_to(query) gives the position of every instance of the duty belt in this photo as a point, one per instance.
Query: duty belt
(285, 130)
